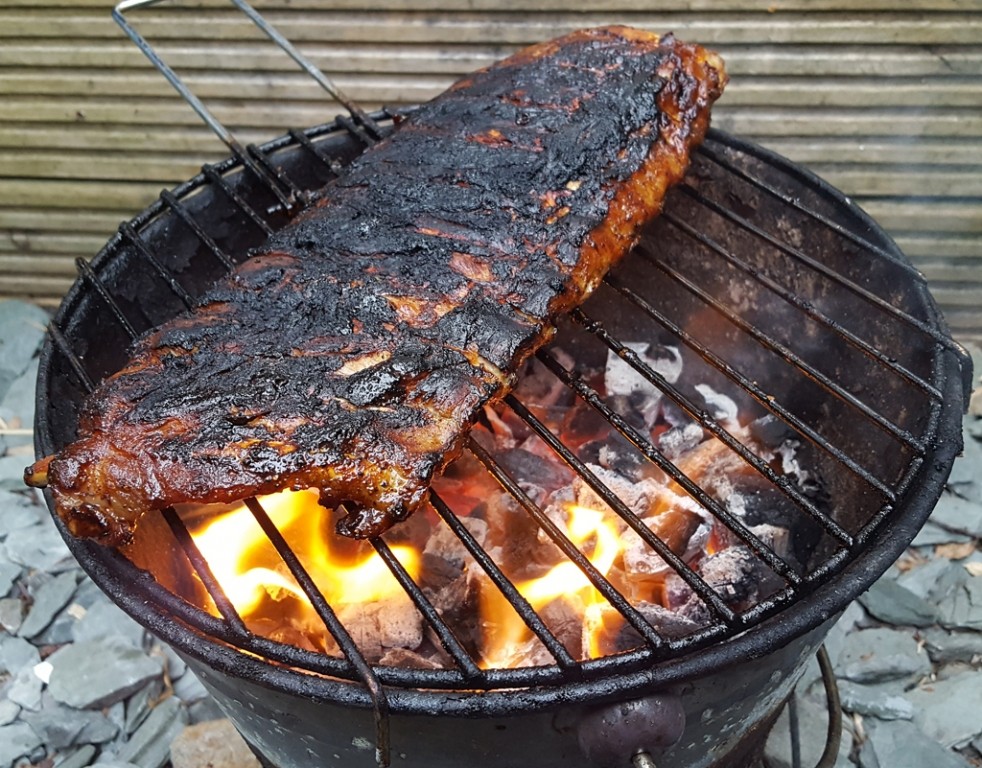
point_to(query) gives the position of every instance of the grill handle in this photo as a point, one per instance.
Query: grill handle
(617, 734)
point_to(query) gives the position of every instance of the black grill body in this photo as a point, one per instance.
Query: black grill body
(769, 279)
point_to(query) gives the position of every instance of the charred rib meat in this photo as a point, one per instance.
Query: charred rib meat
(353, 352)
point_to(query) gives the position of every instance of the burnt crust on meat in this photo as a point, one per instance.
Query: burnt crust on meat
(352, 353)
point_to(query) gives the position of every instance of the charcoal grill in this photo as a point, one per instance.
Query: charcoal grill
(767, 277)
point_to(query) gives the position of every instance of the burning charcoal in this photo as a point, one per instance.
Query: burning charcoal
(680, 440)
(606, 632)
(527, 467)
(443, 542)
(623, 458)
(770, 431)
(531, 653)
(565, 621)
(734, 574)
(401, 657)
(390, 623)
(676, 527)
(513, 539)
(639, 497)
(538, 385)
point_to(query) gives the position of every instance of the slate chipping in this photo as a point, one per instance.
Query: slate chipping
(924, 701)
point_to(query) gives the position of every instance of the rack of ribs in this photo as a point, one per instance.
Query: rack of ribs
(355, 349)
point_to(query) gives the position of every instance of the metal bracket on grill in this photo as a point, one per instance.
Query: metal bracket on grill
(251, 156)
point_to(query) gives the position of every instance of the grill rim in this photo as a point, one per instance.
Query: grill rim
(632, 671)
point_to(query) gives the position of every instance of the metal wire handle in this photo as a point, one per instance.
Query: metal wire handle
(250, 156)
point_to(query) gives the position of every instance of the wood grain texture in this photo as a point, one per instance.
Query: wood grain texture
(882, 97)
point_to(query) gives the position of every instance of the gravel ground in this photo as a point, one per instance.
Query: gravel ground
(82, 684)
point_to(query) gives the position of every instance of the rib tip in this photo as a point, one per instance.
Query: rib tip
(36, 475)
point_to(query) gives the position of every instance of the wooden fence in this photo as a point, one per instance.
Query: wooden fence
(881, 97)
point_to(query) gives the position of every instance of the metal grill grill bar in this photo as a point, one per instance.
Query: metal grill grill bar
(334, 626)
(446, 635)
(750, 387)
(65, 348)
(175, 205)
(706, 593)
(92, 279)
(131, 236)
(219, 181)
(275, 172)
(643, 444)
(525, 611)
(604, 587)
(781, 349)
(301, 138)
(795, 203)
(708, 422)
(801, 303)
(205, 574)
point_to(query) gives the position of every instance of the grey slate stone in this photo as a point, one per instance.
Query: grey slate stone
(878, 655)
(79, 758)
(39, 546)
(17, 511)
(57, 725)
(896, 744)
(98, 730)
(934, 580)
(20, 402)
(958, 514)
(16, 653)
(8, 711)
(61, 726)
(21, 334)
(49, 599)
(12, 472)
(9, 573)
(138, 706)
(963, 610)
(175, 664)
(149, 746)
(950, 711)
(17, 740)
(104, 620)
(882, 702)
(887, 601)
(947, 647)
(204, 710)
(931, 535)
(97, 673)
(11, 614)
(25, 689)
(59, 631)
(964, 479)
(189, 689)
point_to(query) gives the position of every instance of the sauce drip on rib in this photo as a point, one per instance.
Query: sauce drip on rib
(353, 352)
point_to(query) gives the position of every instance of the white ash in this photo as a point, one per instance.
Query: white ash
(620, 379)
(722, 407)
(638, 496)
(680, 440)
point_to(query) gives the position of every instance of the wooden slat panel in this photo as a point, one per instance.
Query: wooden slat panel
(514, 28)
(767, 6)
(881, 97)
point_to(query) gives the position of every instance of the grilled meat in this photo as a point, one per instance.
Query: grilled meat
(352, 353)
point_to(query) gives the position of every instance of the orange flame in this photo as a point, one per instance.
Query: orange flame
(251, 573)
(563, 581)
